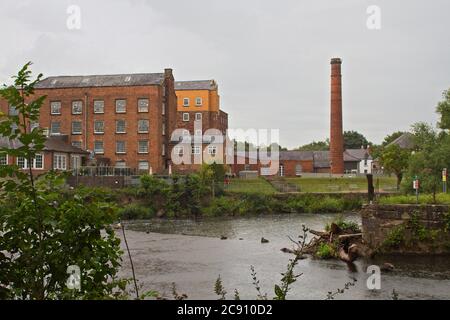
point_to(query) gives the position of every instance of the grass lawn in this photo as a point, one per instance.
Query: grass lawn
(441, 198)
(258, 185)
(307, 184)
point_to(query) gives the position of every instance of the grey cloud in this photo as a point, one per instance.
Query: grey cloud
(271, 58)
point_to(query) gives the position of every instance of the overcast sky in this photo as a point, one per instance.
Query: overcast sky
(270, 58)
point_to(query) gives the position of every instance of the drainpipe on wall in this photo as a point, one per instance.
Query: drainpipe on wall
(85, 121)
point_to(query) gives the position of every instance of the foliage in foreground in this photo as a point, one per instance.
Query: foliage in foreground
(44, 231)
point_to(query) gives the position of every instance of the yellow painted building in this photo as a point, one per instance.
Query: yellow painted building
(200, 95)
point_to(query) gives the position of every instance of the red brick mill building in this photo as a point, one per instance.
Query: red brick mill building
(123, 121)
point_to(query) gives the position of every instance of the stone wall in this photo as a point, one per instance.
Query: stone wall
(407, 228)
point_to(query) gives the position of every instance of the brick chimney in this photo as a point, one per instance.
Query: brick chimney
(336, 134)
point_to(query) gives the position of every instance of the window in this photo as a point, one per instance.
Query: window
(179, 150)
(143, 146)
(143, 165)
(120, 126)
(75, 162)
(55, 107)
(143, 105)
(185, 116)
(22, 163)
(77, 107)
(59, 162)
(76, 127)
(3, 160)
(121, 106)
(143, 126)
(198, 116)
(163, 109)
(186, 102)
(98, 147)
(99, 106)
(195, 149)
(76, 144)
(212, 150)
(55, 128)
(12, 111)
(198, 101)
(163, 150)
(198, 132)
(121, 164)
(99, 127)
(120, 147)
(38, 162)
(163, 128)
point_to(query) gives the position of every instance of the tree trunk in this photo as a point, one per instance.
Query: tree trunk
(399, 180)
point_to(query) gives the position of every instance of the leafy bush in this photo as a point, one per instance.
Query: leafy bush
(43, 230)
(136, 211)
(326, 204)
(344, 224)
(395, 237)
(222, 206)
(325, 251)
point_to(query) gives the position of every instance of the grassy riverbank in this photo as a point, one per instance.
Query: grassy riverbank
(312, 184)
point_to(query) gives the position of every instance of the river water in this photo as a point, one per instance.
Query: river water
(192, 255)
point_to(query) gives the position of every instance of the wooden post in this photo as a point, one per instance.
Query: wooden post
(370, 188)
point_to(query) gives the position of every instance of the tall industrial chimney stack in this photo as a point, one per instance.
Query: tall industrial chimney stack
(336, 134)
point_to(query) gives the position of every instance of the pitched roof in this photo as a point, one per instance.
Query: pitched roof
(356, 155)
(196, 85)
(114, 80)
(296, 155)
(53, 143)
(405, 141)
(60, 143)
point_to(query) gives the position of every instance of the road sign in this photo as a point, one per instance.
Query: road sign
(444, 175)
(416, 184)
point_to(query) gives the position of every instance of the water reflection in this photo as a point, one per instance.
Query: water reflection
(191, 254)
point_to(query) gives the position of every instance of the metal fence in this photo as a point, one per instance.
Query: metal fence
(103, 171)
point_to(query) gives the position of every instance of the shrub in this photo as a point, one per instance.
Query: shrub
(43, 230)
(136, 211)
(325, 251)
(326, 205)
(344, 224)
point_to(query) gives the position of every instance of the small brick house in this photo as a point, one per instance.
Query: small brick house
(58, 154)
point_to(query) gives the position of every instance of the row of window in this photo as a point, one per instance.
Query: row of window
(187, 102)
(198, 116)
(196, 150)
(99, 106)
(37, 162)
(142, 164)
(121, 146)
(99, 127)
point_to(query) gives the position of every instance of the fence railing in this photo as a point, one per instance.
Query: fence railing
(104, 171)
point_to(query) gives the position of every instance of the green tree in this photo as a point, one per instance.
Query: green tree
(43, 231)
(354, 140)
(395, 160)
(315, 146)
(429, 159)
(443, 109)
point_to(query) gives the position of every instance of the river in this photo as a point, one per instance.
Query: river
(192, 255)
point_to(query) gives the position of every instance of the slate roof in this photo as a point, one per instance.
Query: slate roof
(196, 85)
(115, 80)
(53, 143)
(356, 155)
(405, 141)
(296, 155)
